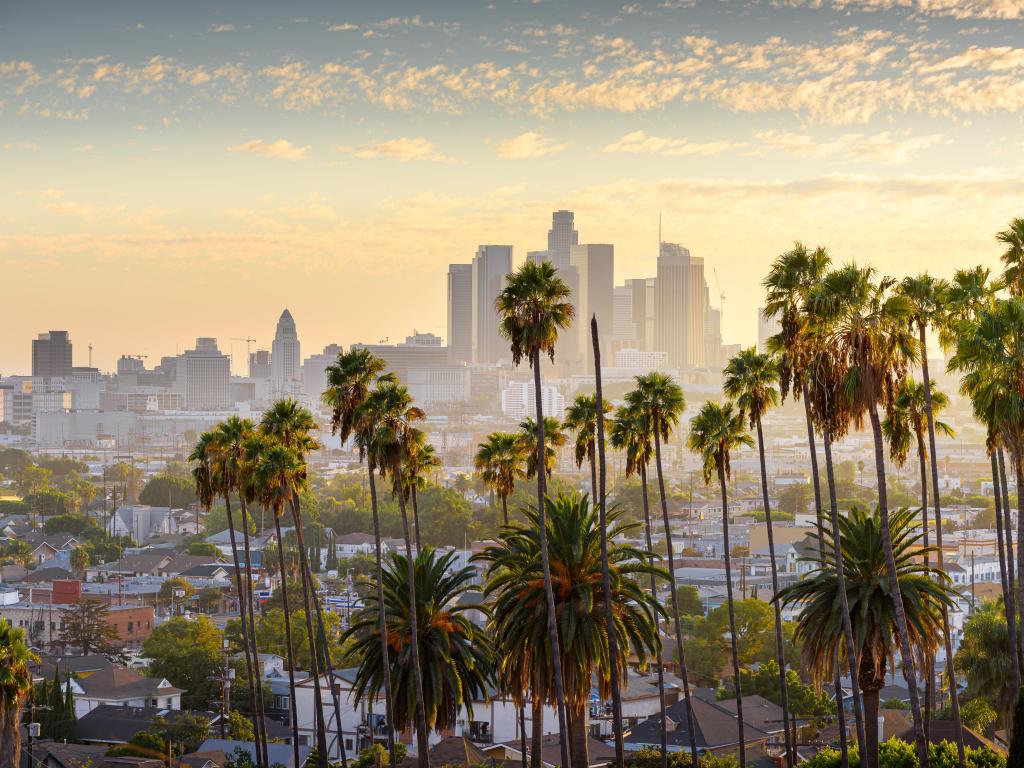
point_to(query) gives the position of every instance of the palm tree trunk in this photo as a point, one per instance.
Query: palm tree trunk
(811, 444)
(10, 730)
(382, 620)
(868, 681)
(580, 754)
(860, 717)
(732, 613)
(288, 638)
(906, 652)
(242, 600)
(1008, 601)
(306, 577)
(256, 685)
(422, 734)
(593, 478)
(606, 585)
(522, 733)
(556, 655)
(335, 694)
(929, 660)
(416, 517)
(537, 734)
(654, 596)
(1018, 605)
(779, 652)
(504, 507)
(934, 456)
(1018, 466)
(690, 725)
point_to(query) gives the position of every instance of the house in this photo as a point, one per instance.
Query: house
(54, 548)
(142, 522)
(48, 574)
(124, 688)
(162, 563)
(759, 712)
(270, 663)
(57, 754)
(113, 724)
(79, 666)
(716, 729)
(599, 753)
(276, 753)
(352, 544)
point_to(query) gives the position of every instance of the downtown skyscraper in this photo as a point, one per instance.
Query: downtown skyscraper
(285, 355)
(460, 313)
(490, 266)
(680, 307)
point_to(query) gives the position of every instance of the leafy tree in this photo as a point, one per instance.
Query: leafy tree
(1015, 756)
(32, 480)
(795, 498)
(271, 635)
(209, 599)
(173, 585)
(179, 490)
(376, 756)
(86, 626)
(688, 600)
(239, 727)
(983, 657)
(49, 502)
(188, 653)
(978, 714)
(203, 548)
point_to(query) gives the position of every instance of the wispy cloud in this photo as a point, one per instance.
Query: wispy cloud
(222, 28)
(529, 145)
(884, 147)
(282, 149)
(398, 149)
(638, 142)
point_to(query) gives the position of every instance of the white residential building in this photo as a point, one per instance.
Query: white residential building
(518, 400)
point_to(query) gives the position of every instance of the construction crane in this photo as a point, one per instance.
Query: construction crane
(249, 341)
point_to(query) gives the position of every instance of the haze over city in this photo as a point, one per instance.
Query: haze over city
(186, 170)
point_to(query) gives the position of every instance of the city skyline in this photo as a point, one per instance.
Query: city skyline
(367, 148)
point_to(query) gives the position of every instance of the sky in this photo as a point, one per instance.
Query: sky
(174, 170)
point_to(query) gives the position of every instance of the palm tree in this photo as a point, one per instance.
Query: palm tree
(984, 658)
(419, 463)
(389, 407)
(630, 433)
(554, 437)
(581, 420)
(292, 426)
(349, 382)
(923, 592)
(278, 476)
(866, 326)
(658, 400)
(15, 684)
(229, 448)
(1013, 257)
(926, 297)
(715, 432)
(519, 613)
(750, 379)
(789, 282)
(534, 309)
(456, 655)
(499, 462)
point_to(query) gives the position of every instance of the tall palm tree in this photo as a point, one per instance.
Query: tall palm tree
(419, 463)
(715, 432)
(789, 282)
(924, 590)
(554, 438)
(499, 462)
(750, 379)
(457, 656)
(867, 328)
(658, 400)
(534, 308)
(389, 407)
(292, 426)
(15, 685)
(1013, 257)
(349, 382)
(630, 433)
(926, 298)
(278, 476)
(519, 612)
(230, 439)
(581, 420)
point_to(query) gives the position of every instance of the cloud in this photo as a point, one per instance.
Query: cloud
(882, 147)
(529, 145)
(638, 142)
(222, 28)
(29, 146)
(957, 9)
(342, 27)
(281, 149)
(403, 149)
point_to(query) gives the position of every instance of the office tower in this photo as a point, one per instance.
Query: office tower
(561, 238)
(622, 320)
(259, 364)
(314, 372)
(204, 376)
(490, 266)
(642, 292)
(681, 300)
(51, 354)
(460, 313)
(766, 327)
(594, 267)
(285, 357)
(713, 339)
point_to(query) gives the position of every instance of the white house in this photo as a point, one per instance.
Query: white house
(123, 687)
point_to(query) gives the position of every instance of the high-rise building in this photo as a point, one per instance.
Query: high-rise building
(594, 267)
(460, 313)
(51, 354)
(259, 364)
(561, 238)
(642, 293)
(681, 302)
(766, 328)
(622, 320)
(203, 375)
(713, 339)
(490, 266)
(314, 372)
(285, 354)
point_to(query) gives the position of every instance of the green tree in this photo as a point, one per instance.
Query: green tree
(499, 462)
(187, 652)
(581, 423)
(984, 657)
(15, 684)
(86, 626)
(160, 489)
(688, 600)
(795, 498)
